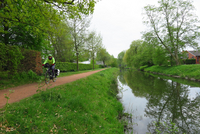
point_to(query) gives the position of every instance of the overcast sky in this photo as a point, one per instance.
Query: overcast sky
(120, 22)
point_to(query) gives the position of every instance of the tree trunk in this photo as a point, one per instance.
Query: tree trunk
(177, 59)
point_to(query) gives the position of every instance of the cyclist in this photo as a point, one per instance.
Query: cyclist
(51, 62)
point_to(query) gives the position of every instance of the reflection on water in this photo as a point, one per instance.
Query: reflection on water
(159, 104)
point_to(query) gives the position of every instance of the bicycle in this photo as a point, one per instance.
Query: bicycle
(48, 74)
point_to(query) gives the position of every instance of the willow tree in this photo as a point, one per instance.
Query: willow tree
(120, 58)
(174, 24)
(133, 56)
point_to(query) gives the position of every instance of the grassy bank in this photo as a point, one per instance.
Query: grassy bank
(27, 78)
(62, 74)
(88, 105)
(182, 81)
(190, 71)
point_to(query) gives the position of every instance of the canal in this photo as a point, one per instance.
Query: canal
(159, 104)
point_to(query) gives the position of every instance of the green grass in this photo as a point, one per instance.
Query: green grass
(88, 105)
(190, 71)
(24, 78)
(62, 74)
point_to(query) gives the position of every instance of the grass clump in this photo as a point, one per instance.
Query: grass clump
(190, 71)
(88, 105)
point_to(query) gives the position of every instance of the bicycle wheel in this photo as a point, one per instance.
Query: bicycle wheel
(47, 77)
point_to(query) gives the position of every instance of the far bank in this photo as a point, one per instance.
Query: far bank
(190, 72)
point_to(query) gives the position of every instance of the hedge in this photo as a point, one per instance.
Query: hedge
(32, 61)
(67, 66)
(15, 60)
(10, 57)
(190, 61)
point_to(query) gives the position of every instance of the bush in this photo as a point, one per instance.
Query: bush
(190, 61)
(26, 76)
(16, 60)
(101, 66)
(32, 61)
(67, 66)
(10, 58)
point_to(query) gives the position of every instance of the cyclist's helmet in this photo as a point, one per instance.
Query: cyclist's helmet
(50, 57)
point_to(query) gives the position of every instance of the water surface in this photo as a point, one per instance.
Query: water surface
(160, 104)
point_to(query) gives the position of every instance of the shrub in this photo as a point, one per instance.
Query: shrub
(19, 60)
(101, 66)
(32, 61)
(10, 58)
(190, 61)
(26, 76)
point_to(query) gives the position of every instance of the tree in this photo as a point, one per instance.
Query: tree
(33, 19)
(62, 43)
(120, 59)
(112, 61)
(19, 35)
(139, 54)
(174, 24)
(132, 57)
(73, 7)
(145, 54)
(159, 56)
(103, 55)
(29, 12)
(33, 24)
(34, 16)
(94, 43)
(78, 31)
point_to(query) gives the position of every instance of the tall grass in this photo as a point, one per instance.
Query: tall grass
(88, 105)
(190, 71)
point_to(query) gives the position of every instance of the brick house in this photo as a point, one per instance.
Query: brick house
(195, 55)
